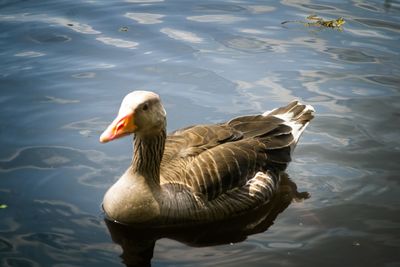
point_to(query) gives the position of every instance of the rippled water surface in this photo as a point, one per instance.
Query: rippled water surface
(65, 66)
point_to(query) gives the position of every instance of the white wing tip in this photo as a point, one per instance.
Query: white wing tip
(309, 107)
(294, 117)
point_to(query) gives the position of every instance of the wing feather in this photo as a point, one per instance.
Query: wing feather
(215, 159)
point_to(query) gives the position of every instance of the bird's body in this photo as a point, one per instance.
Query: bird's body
(202, 173)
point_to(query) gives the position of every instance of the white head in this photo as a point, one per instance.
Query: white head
(141, 112)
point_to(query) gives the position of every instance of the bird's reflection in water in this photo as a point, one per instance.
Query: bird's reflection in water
(138, 243)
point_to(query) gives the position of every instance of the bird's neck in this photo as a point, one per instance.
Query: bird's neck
(147, 156)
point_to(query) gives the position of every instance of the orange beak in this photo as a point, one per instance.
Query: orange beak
(121, 126)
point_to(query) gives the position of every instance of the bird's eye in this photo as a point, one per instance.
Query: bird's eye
(145, 107)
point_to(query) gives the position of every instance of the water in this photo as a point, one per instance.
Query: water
(65, 66)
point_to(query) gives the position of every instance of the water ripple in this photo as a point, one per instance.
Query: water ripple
(84, 75)
(5, 246)
(310, 7)
(350, 55)
(371, 158)
(344, 88)
(248, 44)
(58, 100)
(54, 233)
(145, 18)
(73, 25)
(385, 80)
(54, 240)
(49, 157)
(369, 33)
(117, 42)
(369, 7)
(30, 54)
(284, 245)
(182, 35)
(20, 261)
(318, 7)
(224, 19)
(89, 126)
(44, 38)
(383, 24)
(260, 9)
(217, 7)
(143, 1)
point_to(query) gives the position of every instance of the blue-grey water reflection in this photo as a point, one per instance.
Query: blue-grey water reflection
(65, 66)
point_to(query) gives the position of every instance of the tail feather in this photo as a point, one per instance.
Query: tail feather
(295, 115)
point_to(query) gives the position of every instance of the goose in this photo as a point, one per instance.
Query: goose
(138, 243)
(201, 173)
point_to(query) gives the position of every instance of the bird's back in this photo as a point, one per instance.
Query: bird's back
(211, 160)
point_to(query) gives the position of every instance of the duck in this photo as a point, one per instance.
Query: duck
(202, 173)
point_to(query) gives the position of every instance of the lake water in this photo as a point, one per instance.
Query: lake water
(66, 65)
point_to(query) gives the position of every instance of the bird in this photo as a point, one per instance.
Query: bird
(202, 173)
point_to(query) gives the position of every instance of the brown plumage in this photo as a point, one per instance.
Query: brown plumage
(201, 173)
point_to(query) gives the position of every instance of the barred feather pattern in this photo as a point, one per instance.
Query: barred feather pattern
(148, 154)
(211, 172)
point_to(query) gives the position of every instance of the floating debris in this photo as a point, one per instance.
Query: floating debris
(335, 23)
(320, 22)
(3, 206)
(123, 29)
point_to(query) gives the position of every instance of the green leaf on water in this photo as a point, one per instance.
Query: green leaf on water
(3, 206)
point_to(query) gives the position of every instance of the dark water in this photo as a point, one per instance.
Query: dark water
(65, 66)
